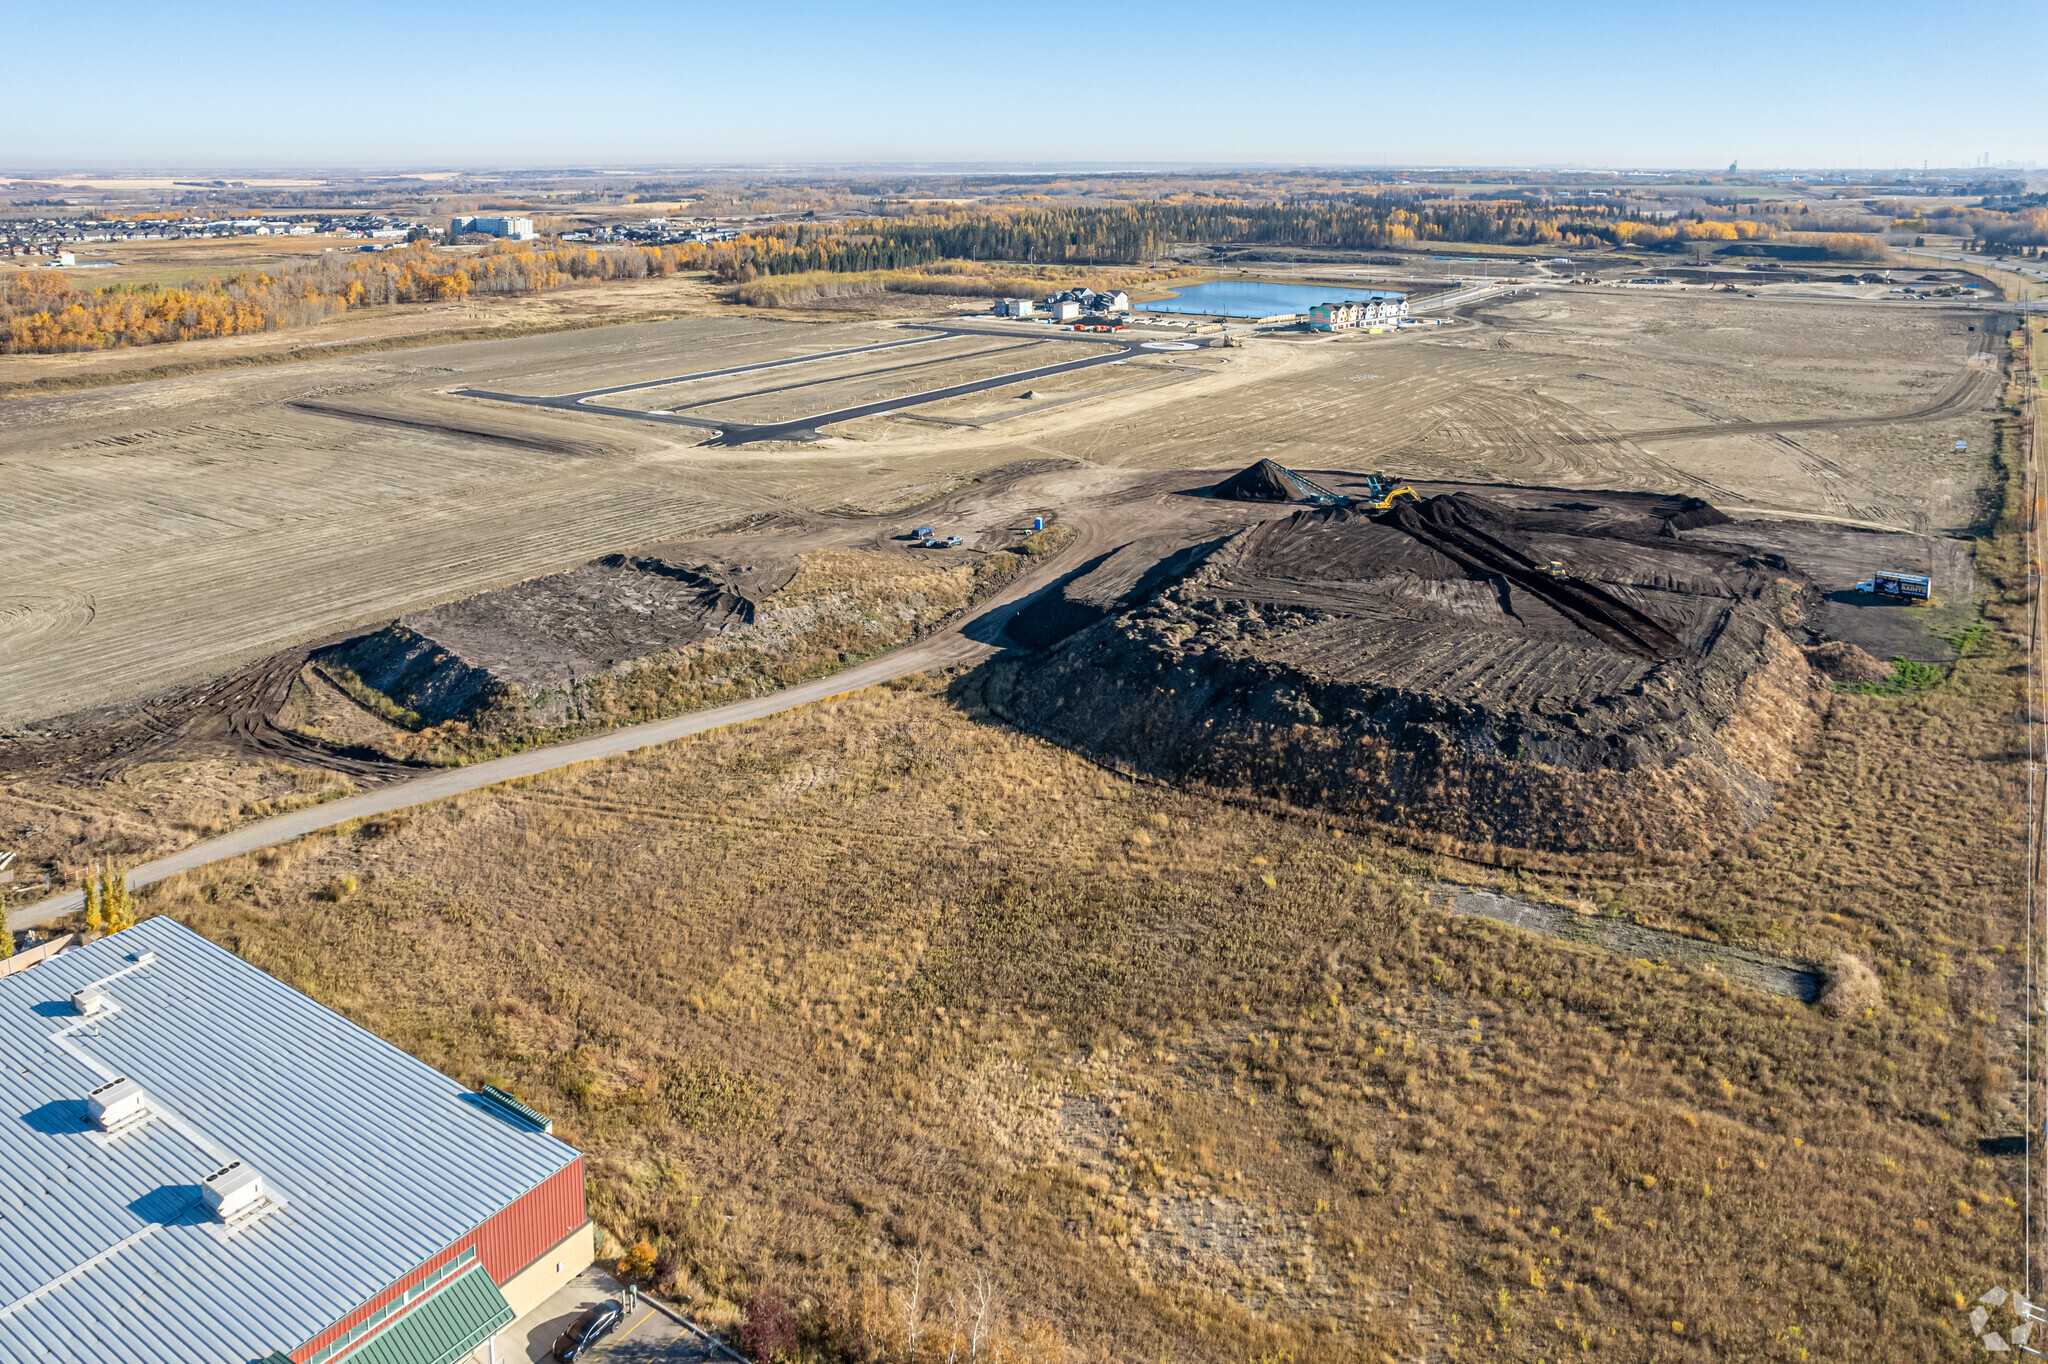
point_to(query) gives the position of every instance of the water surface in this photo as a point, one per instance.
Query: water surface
(1243, 298)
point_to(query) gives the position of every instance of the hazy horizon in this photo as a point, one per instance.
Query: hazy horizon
(427, 171)
(1471, 85)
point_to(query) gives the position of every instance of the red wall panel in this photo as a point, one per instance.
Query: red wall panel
(507, 1242)
(513, 1239)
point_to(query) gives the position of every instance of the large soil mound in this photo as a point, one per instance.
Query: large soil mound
(1568, 677)
(1264, 482)
(544, 635)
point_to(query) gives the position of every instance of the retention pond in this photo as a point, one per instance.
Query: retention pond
(1248, 299)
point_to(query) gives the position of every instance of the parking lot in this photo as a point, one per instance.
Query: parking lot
(649, 1335)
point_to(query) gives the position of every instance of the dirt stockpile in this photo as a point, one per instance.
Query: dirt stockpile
(1109, 582)
(543, 636)
(1265, 481)
(621, 640)
(1845, 662)
(1562, 674)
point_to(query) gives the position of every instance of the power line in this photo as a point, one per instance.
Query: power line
(2031, 490)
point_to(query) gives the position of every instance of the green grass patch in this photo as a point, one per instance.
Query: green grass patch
(1969, 637)
(1907, 678)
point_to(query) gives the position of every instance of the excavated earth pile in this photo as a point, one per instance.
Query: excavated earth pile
(1487, 675)
(542, 636)
(1265, 481)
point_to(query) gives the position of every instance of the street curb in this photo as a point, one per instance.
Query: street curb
(680, 1319)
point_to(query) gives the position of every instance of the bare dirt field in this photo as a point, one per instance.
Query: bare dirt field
(986, 358)
(251, 509)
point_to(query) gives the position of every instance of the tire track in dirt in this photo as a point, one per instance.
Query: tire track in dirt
(234, 714)
(35, 618)
(1973, 389)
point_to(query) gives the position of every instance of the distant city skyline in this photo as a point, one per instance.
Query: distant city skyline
(1471, 83)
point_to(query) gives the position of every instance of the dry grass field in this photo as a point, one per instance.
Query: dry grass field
(881, 979)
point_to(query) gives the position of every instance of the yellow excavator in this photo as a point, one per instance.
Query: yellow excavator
(1380, 492)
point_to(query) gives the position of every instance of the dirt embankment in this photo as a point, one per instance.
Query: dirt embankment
(543, 636)
(1495, 680)
(625, 639)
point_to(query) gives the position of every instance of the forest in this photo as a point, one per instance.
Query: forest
(2024, 222)
(41, 310)
(1127, 234)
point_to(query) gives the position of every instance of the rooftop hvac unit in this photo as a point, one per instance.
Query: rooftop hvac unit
(233, 1192)
(91, 1000)
(117, 1105)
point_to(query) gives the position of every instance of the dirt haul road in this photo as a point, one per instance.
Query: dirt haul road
(1125, 509)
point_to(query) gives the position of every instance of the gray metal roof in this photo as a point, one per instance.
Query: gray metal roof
(374, 1160)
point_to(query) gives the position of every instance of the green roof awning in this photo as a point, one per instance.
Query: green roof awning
(443, 1328)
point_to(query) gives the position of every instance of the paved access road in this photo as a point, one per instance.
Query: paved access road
(808, 428)
(964, 644)
(935, 652)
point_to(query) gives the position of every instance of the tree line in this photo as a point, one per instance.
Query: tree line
(1127, 234)
(41, 311)
(1122, 234)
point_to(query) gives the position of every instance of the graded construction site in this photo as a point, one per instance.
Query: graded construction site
(1102, 956)
(261, 508)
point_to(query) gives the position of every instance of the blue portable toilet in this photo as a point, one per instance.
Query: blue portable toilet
(1038, 523)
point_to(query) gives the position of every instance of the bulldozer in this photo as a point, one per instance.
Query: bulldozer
(1381, 490)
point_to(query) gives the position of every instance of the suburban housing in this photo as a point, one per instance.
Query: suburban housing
(1066, 305)
(1356, 312)
(207, 1167)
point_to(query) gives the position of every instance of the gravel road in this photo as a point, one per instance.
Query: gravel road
(966, 643)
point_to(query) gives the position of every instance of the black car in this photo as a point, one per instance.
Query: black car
(594, 1325)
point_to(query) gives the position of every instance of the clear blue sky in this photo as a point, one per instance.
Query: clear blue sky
(1793, 83)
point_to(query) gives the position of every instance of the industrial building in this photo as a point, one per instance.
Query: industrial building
(511, 229)
(200, 1165)
(1386, 311)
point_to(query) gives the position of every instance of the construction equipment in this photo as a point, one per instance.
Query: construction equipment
(1381, 490)
(1268, 481)
(1907, 586)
